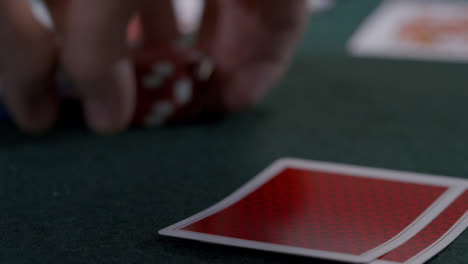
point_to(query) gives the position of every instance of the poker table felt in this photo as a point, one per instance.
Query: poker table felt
(74, 197)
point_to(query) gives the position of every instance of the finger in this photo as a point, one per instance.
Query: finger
(58, 12)
(252, 46)
(208, 27)
(134, 32)
(158, 21)
(94, 56)
(27, 63)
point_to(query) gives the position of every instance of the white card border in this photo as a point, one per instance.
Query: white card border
(433, 249)
(357, 47)
(455, 231)
(455, 188)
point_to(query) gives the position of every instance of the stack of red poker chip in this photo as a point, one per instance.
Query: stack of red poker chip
(171, 82)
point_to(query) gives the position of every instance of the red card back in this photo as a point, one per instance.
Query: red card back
(322, 211)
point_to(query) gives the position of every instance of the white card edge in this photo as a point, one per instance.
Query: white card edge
(454, 186)
(237, 195)
(427, 253)
(455, 231)
(384, 262)
(376, 173)
(406, 234)
(407, 56)
(354, 43)
(248, 244)
(436, 208)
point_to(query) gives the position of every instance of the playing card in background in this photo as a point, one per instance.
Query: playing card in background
(323, 210)
(316, 6)
(424, 30)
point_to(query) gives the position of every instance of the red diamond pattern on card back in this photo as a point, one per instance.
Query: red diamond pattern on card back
(431, 233)
(322, 211)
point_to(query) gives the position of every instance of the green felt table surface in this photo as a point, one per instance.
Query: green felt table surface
(74, 197)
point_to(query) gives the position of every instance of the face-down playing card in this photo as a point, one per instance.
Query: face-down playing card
(434, 237)
(323, 210)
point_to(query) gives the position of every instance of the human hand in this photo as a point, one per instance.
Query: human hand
(251, 43)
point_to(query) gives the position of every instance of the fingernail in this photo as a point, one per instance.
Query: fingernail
(108, 106)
